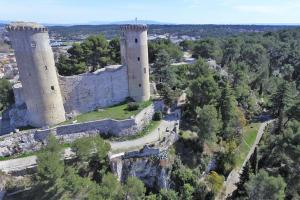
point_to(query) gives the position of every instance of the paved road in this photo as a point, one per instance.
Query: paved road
(167, 123)
(234, 177)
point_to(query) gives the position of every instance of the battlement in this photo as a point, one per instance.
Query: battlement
(26, 26)
(133, 27)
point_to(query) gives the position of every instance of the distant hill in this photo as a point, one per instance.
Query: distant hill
(138, 21)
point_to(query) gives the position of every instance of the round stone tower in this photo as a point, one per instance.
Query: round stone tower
(134, 55)
(37, 73)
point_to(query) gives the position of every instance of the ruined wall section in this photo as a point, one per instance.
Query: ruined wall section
(32, 140)
(87, 92)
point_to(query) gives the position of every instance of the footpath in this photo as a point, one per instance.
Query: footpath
(234, 176)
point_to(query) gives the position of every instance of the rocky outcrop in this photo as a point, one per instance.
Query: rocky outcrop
(18, 143)
(150, 165)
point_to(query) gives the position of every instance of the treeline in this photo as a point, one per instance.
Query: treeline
(199, 31)
(93, 53)
(96, 52)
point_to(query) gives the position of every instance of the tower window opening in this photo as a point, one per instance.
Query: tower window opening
(46, 68)
(138, 58)
(140, 85)
(136, 40)
(145, 70)
(52, 87)
(33, 44)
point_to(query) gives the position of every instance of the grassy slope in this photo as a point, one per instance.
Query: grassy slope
(249, 136)
(118, 112)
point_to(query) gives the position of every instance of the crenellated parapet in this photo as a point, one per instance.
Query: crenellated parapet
(26, 26)
(133, 27)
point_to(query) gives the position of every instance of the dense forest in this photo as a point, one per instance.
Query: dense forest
(200, 31)
(257, 76)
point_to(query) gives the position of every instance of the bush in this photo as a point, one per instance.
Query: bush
(157, 116)
(132, 106)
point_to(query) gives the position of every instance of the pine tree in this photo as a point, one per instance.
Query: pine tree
(228, 106)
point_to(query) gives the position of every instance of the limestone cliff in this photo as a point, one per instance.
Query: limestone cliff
(153, 171)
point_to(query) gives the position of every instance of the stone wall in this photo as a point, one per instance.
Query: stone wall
(27, 141)
(86, 92)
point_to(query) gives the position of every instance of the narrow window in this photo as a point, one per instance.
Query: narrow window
(145, 70)
(136, 40)
(52, 87)
(139, 59)
(46, 68)
(140, 85)
(33, 44)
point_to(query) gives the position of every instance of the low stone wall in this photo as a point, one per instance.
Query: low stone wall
(27, 141)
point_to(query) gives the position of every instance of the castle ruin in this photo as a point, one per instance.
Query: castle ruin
(51, 98)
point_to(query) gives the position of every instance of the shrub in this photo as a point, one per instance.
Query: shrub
(131, 106)
(157, 116)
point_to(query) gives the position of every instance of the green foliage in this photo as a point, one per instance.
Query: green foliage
(169, 95)
(90, 147)
(229, 112)
(157, 116)
(208, 48)
(263, 186)
(50, 163)
(131, 106)
(134, 189)
(111, 188)
(162, 59)
(208, 122)
(115, 52)
(167, 195)
(68, 67)
(231, 51)
(91, 157)
(187, 192)
(187, 45)
(203, 90)
(155, 46)
(199, 69)
(282, 101)
(227, 158)
(93, 53)
(215, 181)
(6, 94)
(280, 154)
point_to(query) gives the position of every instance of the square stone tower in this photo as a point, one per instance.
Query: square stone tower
(134, 55)
(37, 73)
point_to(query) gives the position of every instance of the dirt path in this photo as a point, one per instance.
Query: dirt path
(234, 177)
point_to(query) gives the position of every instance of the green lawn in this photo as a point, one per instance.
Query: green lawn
(115, 112)
(249, 136)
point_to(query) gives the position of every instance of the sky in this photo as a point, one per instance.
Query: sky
(169, 11)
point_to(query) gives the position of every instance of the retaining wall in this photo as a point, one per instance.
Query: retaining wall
(33, 140)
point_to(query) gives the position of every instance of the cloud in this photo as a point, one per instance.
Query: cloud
(270, 7)
(258, 9)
